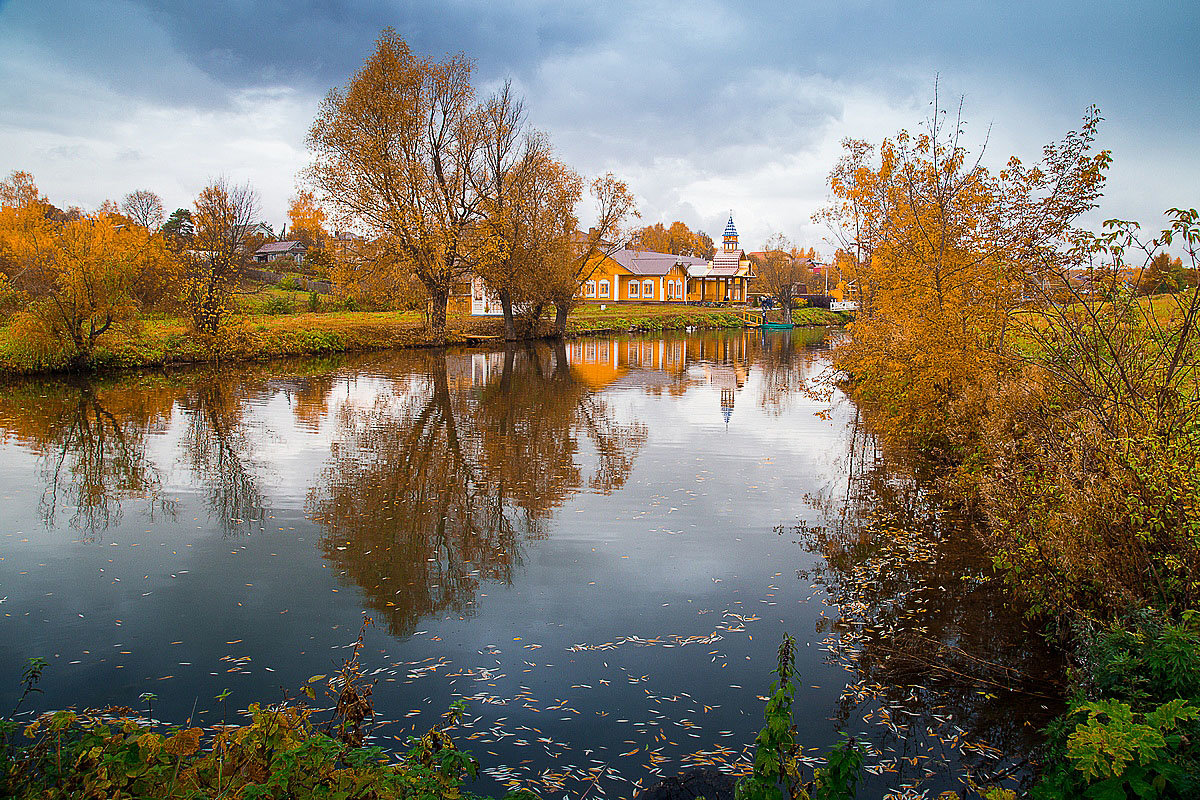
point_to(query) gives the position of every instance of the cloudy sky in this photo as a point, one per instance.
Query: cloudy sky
(704, 107)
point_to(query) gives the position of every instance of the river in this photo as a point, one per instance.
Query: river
(599, 545)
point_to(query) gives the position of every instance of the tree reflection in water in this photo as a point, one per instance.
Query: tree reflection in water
(786, 363)
(944, 662)
(219, 444)
(90, 440)
(435, 488)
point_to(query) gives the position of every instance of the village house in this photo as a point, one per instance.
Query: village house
(643, 276)
(648, 277)
(277, 251)
(727, 278)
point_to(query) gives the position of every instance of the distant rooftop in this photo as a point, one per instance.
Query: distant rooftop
(645, 262)
(279, 247)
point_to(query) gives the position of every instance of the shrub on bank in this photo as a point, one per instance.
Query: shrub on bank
(279, 753)
(1133, 728)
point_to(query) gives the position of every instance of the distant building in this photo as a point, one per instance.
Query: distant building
(728, 274)
(643, 276)
(277, 251)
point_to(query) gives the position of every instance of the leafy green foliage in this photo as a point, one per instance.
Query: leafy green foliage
(277, 303)
(776, 751)
(1138, 733)
(278, 754)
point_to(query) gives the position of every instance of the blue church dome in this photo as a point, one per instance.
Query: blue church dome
(730, 231)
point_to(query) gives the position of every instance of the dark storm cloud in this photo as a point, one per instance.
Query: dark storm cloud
(703, 104)
(316, 44)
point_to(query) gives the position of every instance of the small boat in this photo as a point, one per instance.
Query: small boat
(753, 319)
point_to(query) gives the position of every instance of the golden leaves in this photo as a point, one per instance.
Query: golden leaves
(183, 743)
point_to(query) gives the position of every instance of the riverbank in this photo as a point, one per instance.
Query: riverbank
(156, 342)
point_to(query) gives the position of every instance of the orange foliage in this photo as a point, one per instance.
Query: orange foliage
(78, 272)
(307, 220)
(677, 239)
(941, 249)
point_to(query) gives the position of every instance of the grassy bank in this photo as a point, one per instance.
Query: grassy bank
(158, 341)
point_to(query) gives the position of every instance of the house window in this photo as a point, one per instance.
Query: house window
(633, 288)
(648, 289)
(591, 288)
(604, 288)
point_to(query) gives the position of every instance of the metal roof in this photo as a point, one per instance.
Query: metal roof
(645, 262)
(279, 247)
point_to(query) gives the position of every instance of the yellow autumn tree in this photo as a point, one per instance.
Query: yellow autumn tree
(397, 154)
(940, 248)
(77, 271)
(529, 206)
(677, 239)
(306, 224)
(214, 269)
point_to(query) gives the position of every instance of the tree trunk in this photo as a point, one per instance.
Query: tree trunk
(562, 367)
(438, 299)
(787, 311)
(510, 327)
(560, 318)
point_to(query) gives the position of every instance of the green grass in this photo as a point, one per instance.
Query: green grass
(253, 335)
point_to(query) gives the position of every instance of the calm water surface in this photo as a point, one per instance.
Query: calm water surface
(599, 545)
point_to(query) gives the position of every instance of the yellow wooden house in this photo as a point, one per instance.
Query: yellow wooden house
(640, 276)
(643, 276)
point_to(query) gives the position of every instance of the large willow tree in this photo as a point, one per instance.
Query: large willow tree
(398, 154)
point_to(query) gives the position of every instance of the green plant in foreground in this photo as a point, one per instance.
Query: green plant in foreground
(776, 751)
(279, 753)
(1138, 735)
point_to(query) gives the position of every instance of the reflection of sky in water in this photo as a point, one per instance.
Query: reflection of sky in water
(639, 626)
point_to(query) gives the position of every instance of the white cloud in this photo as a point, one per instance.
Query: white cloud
(702, 108)
(174, 151)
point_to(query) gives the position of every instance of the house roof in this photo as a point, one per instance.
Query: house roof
(645, 262)
(280, 247)
(726, 264)
(730, 231)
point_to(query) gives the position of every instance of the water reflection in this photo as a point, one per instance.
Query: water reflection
(944, 666)
(786, 364)
(623, 490)
(437, 485)
(219, 447)
(90, 440)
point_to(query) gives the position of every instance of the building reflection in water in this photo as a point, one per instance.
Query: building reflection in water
(441, 465)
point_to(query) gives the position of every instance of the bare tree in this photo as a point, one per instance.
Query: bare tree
(511, 155)
(143, 207)
(780, 270)
(224, 218)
